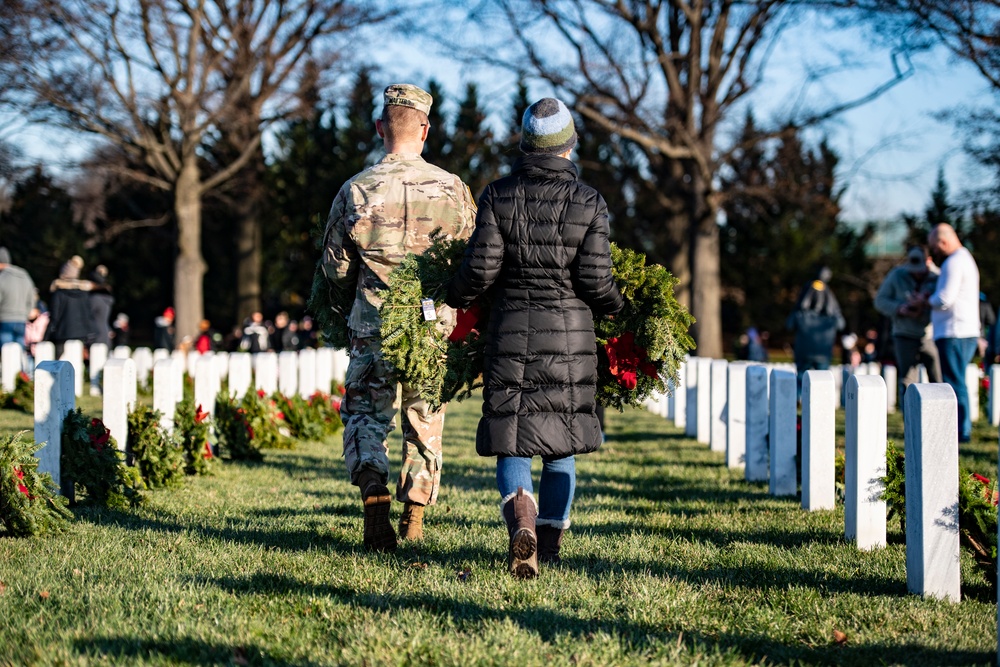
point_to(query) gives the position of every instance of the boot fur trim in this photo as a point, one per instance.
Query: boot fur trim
(511, 496)
(555, 523)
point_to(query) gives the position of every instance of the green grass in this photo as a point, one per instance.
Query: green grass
(672, 559)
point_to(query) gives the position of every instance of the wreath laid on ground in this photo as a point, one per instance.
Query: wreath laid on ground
(640, 349)
(90, 458)
(233, 430)
(977, 510)
(157, 456)
(314, 418)
(192, 426)
(30, 503)
(23, 396)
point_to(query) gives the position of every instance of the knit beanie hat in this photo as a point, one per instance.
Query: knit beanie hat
(547, 127)
(71, 269)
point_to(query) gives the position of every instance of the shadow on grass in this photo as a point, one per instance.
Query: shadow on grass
(552, 624)
(181, 651)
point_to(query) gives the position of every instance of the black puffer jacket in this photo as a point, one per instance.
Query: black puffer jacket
(541, 246)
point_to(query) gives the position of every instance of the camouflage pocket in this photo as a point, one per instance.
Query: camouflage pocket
(358, 369)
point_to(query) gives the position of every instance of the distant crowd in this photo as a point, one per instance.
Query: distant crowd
(81, 309)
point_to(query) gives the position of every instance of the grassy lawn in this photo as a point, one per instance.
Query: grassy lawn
(672, 559)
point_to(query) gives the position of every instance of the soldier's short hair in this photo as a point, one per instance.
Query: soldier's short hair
(399, 122)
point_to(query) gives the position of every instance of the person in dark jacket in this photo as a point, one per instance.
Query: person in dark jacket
(70, 315)
(541, 247)
(163, 330)
(101, 303)
(815, 321)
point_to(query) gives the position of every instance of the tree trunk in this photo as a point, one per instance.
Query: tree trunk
(189, 270)
(706, 292)
(248, 268)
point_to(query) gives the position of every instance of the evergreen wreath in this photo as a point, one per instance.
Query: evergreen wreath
(158, 456)
(90, 458)
(640, 349)
(30, 503)
(23, 396)
(233, 430)
(192, 426)
(439, 368)
(312, 419)
(330, 306)
(643, 346)
(266, 421)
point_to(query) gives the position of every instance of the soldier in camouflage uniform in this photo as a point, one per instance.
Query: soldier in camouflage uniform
(378, 217)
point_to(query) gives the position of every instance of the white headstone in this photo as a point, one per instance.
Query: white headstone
(121, 352)
(340, 361)
(783, 433)
(160, 353)
(179, 369)
(206, 382)
(11, 355)
(119, 397)
(240, 374)
(222, 364)
(864, 461)
(143, 358)
(165, 391)
(266, 372)
(288, 373)
(73, 353)
(736, 414)
(846, 372)
(691, 401)
(718, 372)
(192, 362)
(972, 385)
(819, 396)
(307, 372)
(98, 357)
(891, 378)
(679, 396)
(932, 549)
(44, 351)
(703, 401)
(324, 369)
(757, 418)
(55, 397)
(995, 395)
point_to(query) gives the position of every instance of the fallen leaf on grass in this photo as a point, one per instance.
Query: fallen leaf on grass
(464, 574)
(3, 587)
(418, 566)
(44, 595)
(839, 638)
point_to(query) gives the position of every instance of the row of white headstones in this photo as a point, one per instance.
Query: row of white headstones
(749, 412)
(59, 382)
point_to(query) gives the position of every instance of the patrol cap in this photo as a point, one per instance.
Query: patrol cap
(407, 95)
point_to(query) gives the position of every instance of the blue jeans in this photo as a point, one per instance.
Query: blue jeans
(555, 489)
(956, 354)
(12, 332)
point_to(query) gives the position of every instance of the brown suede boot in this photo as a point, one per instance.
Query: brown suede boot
(549, 541)
(522, 555)
(411, 523)
(379, 535)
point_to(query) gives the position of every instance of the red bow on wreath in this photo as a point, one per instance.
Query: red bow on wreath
(466, 321)
(626, 358)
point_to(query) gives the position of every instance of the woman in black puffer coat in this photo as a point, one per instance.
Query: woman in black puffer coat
(541, 247)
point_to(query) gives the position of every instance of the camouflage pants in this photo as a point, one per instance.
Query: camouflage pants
(369, 410)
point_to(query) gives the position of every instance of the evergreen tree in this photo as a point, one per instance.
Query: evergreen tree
(437, 148)
(782, 209)
(473, 155)
(939, 209)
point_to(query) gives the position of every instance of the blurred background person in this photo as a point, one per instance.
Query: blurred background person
(70, 314)
(163, 330)
(101, 303)
(120, 333)
(17, 297)
(815, 321)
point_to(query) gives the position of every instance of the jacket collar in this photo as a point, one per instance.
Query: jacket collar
(546, 166)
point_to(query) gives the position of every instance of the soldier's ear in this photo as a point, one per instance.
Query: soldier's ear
(379, 128)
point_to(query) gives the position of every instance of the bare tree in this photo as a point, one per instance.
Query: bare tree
(661, 75)
(159, 78)
(970, 29)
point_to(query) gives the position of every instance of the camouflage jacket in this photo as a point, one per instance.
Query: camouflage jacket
(382, 214)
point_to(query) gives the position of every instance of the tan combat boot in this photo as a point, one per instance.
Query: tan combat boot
(411, 522)
(379, 535)
(522, 555)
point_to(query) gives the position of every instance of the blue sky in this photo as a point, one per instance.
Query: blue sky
(891, 149)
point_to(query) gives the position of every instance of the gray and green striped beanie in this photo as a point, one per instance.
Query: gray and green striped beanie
(547, 127)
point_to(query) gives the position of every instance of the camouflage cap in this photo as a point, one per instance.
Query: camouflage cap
(408, 95)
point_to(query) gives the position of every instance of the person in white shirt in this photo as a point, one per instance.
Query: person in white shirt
(955, 315)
